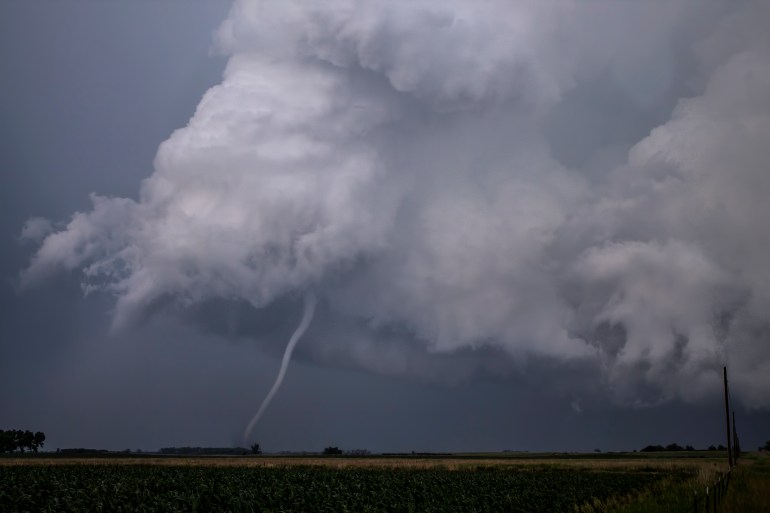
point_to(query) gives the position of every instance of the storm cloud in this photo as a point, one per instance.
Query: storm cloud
(463, 184)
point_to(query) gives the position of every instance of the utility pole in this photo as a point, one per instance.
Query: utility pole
(727, 420)
(736, 444)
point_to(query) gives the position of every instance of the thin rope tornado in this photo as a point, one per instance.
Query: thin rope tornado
(307, 316)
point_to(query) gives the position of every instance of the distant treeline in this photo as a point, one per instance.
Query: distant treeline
(13, 440)
(81, 450)
(205, 451)
(254, 450)
(413, 453)
(677, 447)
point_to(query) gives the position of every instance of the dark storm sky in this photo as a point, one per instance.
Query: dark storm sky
(88, 92)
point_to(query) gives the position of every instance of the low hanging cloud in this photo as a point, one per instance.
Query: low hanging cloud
(409, 163)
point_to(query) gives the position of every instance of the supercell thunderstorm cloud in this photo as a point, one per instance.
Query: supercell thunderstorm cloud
(578, 185)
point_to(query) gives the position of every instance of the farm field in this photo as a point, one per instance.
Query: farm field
(376, 484)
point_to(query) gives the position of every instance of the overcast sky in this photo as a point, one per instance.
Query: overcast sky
(529, 225)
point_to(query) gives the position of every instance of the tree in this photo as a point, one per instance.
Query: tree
(255, 449)
(28, 440)
(38, 440)
(18, 440)
(332, 450)
(13, 440)
(7, 441)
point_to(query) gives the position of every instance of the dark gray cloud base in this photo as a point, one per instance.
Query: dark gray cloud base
(423, 167)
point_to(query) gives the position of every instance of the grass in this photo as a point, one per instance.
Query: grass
(749, 490)
(668, 496)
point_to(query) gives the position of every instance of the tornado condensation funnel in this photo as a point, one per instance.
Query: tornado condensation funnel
(307, 317)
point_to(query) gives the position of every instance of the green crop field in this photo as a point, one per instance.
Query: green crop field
(168, 488)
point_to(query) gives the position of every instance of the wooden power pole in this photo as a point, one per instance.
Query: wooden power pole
(736, 443)
(727, 419)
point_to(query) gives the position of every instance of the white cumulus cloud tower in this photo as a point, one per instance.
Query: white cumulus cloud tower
(399, 158)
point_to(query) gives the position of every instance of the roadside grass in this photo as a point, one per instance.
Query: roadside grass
(674, 494)
(749, 490)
